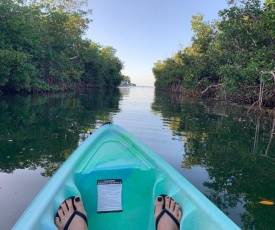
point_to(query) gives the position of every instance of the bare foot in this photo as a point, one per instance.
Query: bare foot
(71, 215)
(167, 213)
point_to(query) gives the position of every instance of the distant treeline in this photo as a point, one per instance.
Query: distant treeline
(42, 48)
(232, 58)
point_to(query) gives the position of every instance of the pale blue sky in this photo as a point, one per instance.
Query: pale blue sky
(145, 31)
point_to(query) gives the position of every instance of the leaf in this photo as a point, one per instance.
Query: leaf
(266, 202)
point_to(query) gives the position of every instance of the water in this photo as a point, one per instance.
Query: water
(226, 154)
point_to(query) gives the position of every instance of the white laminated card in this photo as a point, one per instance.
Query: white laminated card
(109, 195)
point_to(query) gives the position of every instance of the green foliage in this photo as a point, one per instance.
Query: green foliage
(234, 56)
(102, 67)
(165, 72)
(42, 48)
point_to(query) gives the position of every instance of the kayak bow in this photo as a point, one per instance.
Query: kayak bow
(118, 179)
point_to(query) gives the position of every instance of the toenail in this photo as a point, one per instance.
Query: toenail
(77, 199)
(159, 198)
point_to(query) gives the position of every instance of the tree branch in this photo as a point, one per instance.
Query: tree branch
(209, 87)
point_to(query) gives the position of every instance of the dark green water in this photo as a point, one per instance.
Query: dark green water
(227, 155)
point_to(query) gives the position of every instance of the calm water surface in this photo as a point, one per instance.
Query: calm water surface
(227, 155)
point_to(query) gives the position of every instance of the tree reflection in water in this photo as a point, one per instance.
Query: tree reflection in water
(44, 130)
(237, 152)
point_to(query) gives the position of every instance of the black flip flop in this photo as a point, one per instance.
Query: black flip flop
(74, 213)
(164, 210)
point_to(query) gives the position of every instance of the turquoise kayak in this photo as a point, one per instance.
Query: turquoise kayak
(118, 179)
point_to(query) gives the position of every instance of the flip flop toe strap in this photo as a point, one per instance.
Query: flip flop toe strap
(72, 216)
(169, 214)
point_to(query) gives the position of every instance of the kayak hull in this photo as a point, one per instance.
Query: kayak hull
(112, 153)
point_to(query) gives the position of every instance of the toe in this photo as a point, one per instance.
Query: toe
(64, 208)
(172, 204)
(70, 205)
(177, 211)
(159, 205)
(167, 202)
(79, 205)
(60, 212)
(177, 207)
(57, 222)
(179, 215)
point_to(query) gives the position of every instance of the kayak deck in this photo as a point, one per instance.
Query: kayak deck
(113, 153)
(114, 160)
